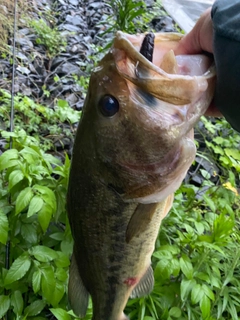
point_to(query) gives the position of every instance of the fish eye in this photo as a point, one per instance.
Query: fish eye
(108, 105)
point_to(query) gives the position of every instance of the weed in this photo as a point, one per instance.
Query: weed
(53, 41)
(40, 121)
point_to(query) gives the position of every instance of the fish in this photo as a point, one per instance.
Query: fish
(133, 147)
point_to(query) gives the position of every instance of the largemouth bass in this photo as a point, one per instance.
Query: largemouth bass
(133, 147)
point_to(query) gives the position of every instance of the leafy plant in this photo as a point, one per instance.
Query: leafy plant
(51, 38)
(33, 221)
(46, 124)
(196, 261)
(223, 143)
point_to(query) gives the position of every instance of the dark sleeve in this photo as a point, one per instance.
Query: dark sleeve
(226, 23)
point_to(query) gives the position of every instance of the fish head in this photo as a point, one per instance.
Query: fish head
(139, 115)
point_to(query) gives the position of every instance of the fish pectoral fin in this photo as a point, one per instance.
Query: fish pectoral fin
(77, 293)
(145, 285)
(140, 220)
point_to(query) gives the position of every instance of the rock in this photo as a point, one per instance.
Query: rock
(23, 70)
(163, 24)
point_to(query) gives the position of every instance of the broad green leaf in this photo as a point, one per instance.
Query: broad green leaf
(48, 284)
(17, 302)
(43, 254)
(35, 205)
(208, 292)
(18, 269)
(186, 287)
(186, 266)
(205, 174)
(175, 312)
(162, 270)
(4, 227)
(60, 314)
(62, 260)
(205, 307)
(4, 305)
(44, 216)
(35, 152)
(47, 195)
(35, 308)
(59, 236)
(58, 293)
(8, 159)
(15, 177)
(197, 293)
(61, 274)
(218, 140)
(23, 199)
(36, 280)
(29, 233)
(235, 153)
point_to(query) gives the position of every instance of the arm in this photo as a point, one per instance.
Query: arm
(218, 32)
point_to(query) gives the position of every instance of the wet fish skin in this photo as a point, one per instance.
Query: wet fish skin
(125, 169)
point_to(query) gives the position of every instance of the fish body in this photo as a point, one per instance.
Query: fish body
(133, 147)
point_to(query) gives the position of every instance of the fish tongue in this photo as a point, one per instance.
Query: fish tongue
(169, 63)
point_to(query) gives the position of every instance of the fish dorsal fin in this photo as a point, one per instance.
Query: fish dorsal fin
(169, 63)
(77, 293)
(140, 219)
(145, 285)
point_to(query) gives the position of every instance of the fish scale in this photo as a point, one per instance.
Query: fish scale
(129, 157)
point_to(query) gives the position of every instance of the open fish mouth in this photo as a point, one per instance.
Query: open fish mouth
(148, 61)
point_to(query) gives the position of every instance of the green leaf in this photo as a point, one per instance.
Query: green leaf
(44, 216)
(23, 199)
(197, 294)
(4, 227)
(18, 269)
(35, 308)
(43, 254)
(29, 233)
(36, 280)
(209, 202)
(186, 266)
(47, 195)
(8, 159)
(186, 287)
(62, 260)
(175, 312)
(218, 140)
(58, 293)
(205, 307)
(35, 205)
(208, 292)
(60, 314)
(61, 274)
(17, 302)
(48, 284)
(15, 177)
(235, 153)
(4, 305)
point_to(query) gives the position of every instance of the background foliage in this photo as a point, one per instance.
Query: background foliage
(196, 261)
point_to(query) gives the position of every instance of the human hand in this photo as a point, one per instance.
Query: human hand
(199, 40)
